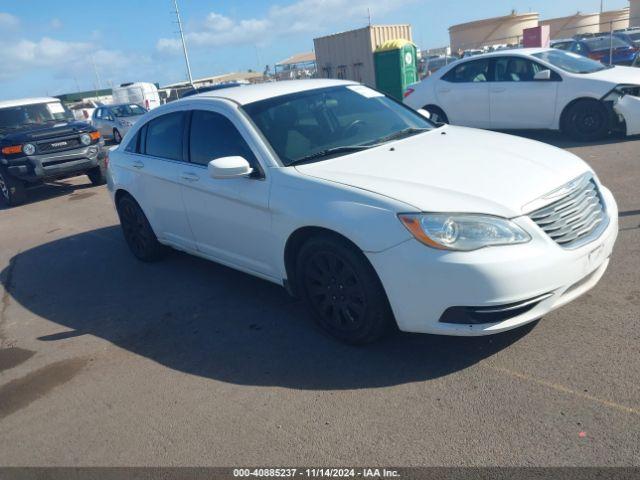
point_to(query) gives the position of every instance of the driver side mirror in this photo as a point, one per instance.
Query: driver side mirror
(424, 113)
(543, 75)
(229, 167)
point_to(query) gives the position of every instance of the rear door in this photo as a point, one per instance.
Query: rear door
(230, 218)
(463, 93)
(157, 162)
(519, 101)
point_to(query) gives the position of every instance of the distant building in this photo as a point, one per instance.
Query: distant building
(614, 20)
(634, 13)
(103, 95)
(301, 65)
(579, 23)
(349, 55)
(252, 77)
(491, 31)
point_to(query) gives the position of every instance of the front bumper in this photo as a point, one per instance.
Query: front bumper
(55, 165)
(422, 283)
(628, 107)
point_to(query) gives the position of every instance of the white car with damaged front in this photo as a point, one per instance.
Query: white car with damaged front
(364, 208)
(533, 89)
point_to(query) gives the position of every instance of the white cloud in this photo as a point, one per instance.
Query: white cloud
(303, 16)
(8, 21)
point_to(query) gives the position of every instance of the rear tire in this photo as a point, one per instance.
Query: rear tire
(437, 114)
(13, 191)
(586, 121)
(137, 231)
(342, 290)
(117, 137)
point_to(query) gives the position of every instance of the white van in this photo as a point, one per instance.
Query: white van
(142, 93)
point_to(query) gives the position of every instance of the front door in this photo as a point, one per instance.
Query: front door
(230, 218)
(519, 101)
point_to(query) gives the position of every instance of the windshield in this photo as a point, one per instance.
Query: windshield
(127, 110)
(570, 62)
(605, 43)
(38, 113)
(337, 119)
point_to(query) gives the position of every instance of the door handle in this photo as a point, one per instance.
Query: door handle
(189, 177)
(137, 164)
(498, 89)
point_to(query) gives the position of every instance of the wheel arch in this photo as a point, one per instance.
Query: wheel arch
(567, 107)
(295, 242)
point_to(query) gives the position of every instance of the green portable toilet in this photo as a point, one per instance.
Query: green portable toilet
(396, 67)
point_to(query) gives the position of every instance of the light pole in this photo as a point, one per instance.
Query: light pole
(184, 44)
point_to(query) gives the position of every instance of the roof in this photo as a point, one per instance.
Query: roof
(509, 51)
(227, 77)
(27, 101)
(254, 93)
(395, 44)
(298, 58)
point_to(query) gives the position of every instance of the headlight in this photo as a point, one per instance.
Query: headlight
(29, 148)
(463, 231)
(85, 139)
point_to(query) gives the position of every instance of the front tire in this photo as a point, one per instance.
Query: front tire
(437, 114)
(137, 231)
(97, 175)
(342, 290)
(586, 121)
(13, 191)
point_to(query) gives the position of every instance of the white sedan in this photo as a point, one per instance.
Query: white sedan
(364, 208)
(533, 89)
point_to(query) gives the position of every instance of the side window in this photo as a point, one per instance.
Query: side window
(214, 136)
(469, 72)
(514, 69)
(579, 48)
(134, 144)
(99, 113)
(164, 136)
(562, 46)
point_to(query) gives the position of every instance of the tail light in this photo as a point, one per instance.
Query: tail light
(408, 92)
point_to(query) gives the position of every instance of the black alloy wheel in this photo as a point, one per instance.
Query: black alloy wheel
(137, 232)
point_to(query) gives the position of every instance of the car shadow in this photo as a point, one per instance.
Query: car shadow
(560, 140)
(204, 319)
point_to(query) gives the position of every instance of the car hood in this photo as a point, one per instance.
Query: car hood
(40, 131)
(456, 169)
(617, 75)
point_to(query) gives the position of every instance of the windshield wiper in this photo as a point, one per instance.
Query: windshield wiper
(407, 132)
(330, 151)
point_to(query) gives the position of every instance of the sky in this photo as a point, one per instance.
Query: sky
(50, 47)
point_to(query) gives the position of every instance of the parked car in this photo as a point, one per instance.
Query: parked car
(83, 111)
(142, 93)
(599, 48)
(630, 35)
(39, 141)
(114, 121)
(533, 89)
(364, 208)
(433, 64)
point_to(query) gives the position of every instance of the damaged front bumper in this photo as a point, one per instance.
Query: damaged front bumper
(627, 107)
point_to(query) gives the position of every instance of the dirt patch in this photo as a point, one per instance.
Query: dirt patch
(19, 393)
(12, 357)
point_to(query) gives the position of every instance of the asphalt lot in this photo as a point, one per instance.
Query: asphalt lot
(108, 361)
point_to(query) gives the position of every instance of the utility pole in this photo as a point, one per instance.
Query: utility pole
(601, 6)
(184, 44)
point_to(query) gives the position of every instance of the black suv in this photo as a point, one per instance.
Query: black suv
(39, 141)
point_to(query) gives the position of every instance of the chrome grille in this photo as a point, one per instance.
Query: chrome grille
(577, 217)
